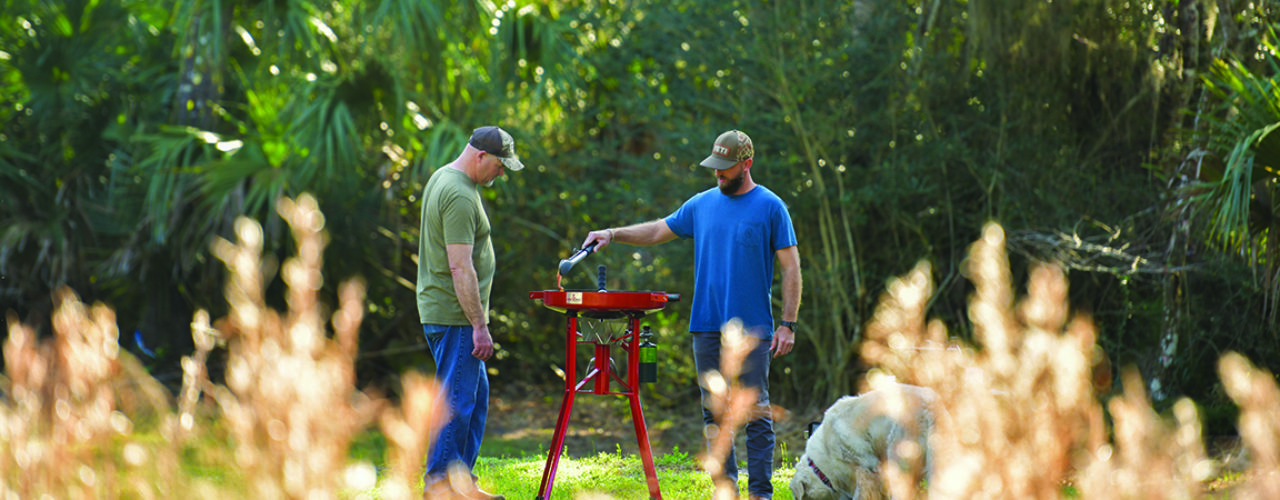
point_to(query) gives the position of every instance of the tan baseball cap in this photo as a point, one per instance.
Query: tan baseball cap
(497, 142)
(730, 148)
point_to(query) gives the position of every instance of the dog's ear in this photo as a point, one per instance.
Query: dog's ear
(813, 426)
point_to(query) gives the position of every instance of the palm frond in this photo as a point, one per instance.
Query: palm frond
(1250, 113)
(165, 161)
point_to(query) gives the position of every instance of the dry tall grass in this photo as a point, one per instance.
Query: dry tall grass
(80, 419)
(61, 418)
(732, 404)
(1022, 419)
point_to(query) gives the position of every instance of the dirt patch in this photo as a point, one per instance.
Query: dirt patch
(523, 424)
(522, 421)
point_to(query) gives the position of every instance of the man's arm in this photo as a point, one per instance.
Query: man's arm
(789, 263)
(466, 285)
(644, 234)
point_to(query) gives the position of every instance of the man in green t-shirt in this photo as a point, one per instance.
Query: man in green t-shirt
(455, 275)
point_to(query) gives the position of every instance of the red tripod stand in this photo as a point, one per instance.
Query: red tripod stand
(602, 304)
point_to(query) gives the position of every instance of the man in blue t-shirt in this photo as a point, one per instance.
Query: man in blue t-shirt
(738, 231)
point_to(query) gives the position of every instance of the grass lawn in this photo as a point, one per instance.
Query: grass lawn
(601, 456)
(617, 475)
(512, 462)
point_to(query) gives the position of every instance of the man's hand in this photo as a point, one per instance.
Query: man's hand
(483, 343)
(603, 236)
(783, 340)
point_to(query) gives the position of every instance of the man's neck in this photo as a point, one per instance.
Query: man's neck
(461, 166)
(747, 186)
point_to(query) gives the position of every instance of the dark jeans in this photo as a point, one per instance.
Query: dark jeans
(466, 386)
(760, 437)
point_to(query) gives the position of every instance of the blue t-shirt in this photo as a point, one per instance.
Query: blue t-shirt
(735, 240)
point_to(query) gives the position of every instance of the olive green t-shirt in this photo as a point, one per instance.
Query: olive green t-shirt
(451, 213)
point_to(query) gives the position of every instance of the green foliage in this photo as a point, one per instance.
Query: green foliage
(1242, 133)
(1240, 185)
(131, 133)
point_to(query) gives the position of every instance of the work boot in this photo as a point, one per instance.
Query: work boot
(442, 491)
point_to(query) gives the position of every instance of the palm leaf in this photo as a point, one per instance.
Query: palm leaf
(1250, 114)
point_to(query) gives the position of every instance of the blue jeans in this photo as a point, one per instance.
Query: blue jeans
(466, 387)
(760, 437)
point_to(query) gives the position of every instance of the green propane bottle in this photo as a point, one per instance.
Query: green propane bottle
(648, 356)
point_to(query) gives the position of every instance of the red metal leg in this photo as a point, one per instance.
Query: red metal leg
(557, 446)
(602, 372)
(642, 439)
(566, 407)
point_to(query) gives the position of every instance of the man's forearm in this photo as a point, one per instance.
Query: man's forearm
(467, 287)
(643, 234)
(789, 261)
(791, 290)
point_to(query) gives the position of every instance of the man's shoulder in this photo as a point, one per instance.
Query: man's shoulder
(449, 182)
(774, 203)
(765, 192)
(449, 175)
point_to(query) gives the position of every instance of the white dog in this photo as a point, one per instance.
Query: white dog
(844, 455)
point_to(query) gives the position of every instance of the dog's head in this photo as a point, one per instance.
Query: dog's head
(807, 485)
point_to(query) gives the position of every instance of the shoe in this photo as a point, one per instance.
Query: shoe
(437, 490)
(441, 490)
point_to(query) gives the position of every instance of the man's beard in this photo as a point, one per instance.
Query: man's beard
(732, 185)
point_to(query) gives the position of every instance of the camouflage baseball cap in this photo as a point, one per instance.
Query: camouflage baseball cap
(730, 148)
(497, 142)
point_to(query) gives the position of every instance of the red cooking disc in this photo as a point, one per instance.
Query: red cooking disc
(603, 304)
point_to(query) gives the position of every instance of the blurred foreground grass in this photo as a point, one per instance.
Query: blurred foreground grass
(79, 418)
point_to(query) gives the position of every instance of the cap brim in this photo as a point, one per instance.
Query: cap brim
(512, 163)
(717, 163)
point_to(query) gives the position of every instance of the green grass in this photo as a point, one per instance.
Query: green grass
(208, 461)
(610, 474)
(616, 474)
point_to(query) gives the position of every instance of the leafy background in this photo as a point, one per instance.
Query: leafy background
(1131, 142)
